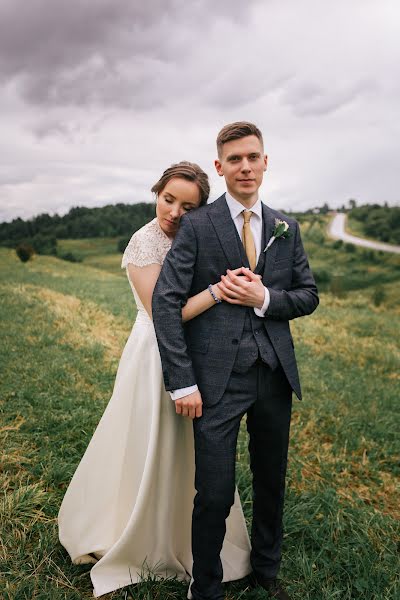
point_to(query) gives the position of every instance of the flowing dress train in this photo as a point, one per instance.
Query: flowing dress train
(128, 506)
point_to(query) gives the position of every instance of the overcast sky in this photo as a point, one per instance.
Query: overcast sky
(97, 97)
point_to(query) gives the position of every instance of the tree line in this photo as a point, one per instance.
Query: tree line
(42, 232)
(122, 220)
(379, 222)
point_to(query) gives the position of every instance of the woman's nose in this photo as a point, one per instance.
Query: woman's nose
(175, 212)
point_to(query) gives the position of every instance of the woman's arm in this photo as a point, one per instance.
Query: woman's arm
(144, 280)
(199, 303)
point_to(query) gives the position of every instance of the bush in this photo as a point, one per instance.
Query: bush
(122, 244)
(321, 276)
(337, 286)
(337, 244)
(369, 255)
(350, 248)
(70, 257)
(378, 296)
(44, 244)
(24, 252)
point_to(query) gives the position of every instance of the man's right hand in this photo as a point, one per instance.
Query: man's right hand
(190, 406)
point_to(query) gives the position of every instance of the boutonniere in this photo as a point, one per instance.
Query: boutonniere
(281, 230)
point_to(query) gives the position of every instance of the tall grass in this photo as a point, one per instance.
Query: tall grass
(63, 328)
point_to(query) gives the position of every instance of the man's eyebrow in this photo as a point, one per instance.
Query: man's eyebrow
(231, 156)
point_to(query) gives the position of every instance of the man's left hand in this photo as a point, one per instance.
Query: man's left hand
(242, 286)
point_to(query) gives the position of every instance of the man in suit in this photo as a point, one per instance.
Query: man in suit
(236, 358)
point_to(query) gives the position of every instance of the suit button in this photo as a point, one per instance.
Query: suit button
(276, 339)
(235, 342)
(257, 332)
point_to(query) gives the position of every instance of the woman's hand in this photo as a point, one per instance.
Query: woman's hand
(242, 286)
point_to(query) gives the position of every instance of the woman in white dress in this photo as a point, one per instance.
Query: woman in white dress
(129, 504)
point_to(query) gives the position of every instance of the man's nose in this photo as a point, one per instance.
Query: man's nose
(245, 165)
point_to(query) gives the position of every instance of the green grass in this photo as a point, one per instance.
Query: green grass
(63, 329)
(100, 253)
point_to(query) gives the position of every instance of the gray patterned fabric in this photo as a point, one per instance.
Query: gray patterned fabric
(204, 350)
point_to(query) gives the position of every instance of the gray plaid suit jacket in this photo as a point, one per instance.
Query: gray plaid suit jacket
(203, 350)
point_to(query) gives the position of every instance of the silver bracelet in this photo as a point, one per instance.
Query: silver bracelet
(217, 300)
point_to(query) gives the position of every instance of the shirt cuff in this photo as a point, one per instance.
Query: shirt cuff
(260, 312)
(176, 394)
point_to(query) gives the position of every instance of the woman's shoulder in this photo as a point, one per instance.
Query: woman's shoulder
(150, 229)
(148, 245)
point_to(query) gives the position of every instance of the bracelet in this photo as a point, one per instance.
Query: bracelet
(217, 300)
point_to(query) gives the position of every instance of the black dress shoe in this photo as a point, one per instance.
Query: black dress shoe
(273, 586)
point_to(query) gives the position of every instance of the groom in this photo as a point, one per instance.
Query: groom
(236, 358)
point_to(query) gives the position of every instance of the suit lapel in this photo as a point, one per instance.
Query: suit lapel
(261, 258)
(268, 230)
(226, 231)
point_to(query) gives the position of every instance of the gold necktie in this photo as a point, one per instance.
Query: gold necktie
(248, 240)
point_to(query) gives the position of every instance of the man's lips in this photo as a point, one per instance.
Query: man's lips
(246, 180)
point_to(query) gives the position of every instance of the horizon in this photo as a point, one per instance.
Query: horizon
(305, 210)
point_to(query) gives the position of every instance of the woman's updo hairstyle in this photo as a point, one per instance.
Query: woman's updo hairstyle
(190, 172)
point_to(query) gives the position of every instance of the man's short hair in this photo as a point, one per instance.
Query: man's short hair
(236, 131)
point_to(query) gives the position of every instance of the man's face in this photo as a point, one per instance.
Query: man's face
(242, 163)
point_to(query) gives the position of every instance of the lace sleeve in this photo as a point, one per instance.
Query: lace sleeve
(145, 247)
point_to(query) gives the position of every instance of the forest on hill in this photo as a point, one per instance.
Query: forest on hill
(122, 220)
(378, 222)
(43, 231)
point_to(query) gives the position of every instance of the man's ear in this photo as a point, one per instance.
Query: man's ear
(218, 167)
(265, 162)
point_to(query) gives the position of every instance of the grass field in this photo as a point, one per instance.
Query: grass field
(63, 328)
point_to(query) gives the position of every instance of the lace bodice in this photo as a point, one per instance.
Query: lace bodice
(149, 245)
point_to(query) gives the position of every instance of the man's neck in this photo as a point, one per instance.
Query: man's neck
(246, 202)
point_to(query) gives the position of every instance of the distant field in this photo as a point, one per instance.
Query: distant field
(100, 253)
(63, 329)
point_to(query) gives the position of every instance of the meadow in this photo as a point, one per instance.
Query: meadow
(63, 328)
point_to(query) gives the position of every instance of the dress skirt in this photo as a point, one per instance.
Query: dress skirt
(128, 507)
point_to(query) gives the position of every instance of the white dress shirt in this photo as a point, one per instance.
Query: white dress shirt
(236, 209)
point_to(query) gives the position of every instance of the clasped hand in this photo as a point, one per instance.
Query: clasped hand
(242, 286)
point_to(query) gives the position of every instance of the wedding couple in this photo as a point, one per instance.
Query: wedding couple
(215, 286)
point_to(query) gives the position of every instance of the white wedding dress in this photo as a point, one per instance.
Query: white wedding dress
(129, 504)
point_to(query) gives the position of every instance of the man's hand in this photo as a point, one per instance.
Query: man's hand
(242, 286)
(190, 406)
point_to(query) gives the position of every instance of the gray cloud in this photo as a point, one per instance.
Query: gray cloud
(88, 53)
(98, 97)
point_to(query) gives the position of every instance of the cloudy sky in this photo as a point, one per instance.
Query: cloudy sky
(97, 97)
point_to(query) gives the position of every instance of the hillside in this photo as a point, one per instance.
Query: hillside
(63, 328)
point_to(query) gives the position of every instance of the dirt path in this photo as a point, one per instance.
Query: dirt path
(337, 230)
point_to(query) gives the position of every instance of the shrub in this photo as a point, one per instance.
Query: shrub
(337, 286)
(369, 255)
(337, 244)
(45, 244)
(350, 248)
(321, 276)
(70, 257)
(378, 295)
(122, 244)
(24, 252)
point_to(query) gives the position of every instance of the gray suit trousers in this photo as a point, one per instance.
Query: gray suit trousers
(266, 397)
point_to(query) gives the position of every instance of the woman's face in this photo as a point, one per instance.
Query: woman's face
(178, 197)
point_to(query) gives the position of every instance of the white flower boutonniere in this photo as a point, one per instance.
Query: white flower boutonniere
(281, 230)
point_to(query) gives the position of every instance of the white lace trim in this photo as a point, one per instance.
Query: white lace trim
(149, 245)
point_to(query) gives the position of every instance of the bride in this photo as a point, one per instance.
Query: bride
(129, 504)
